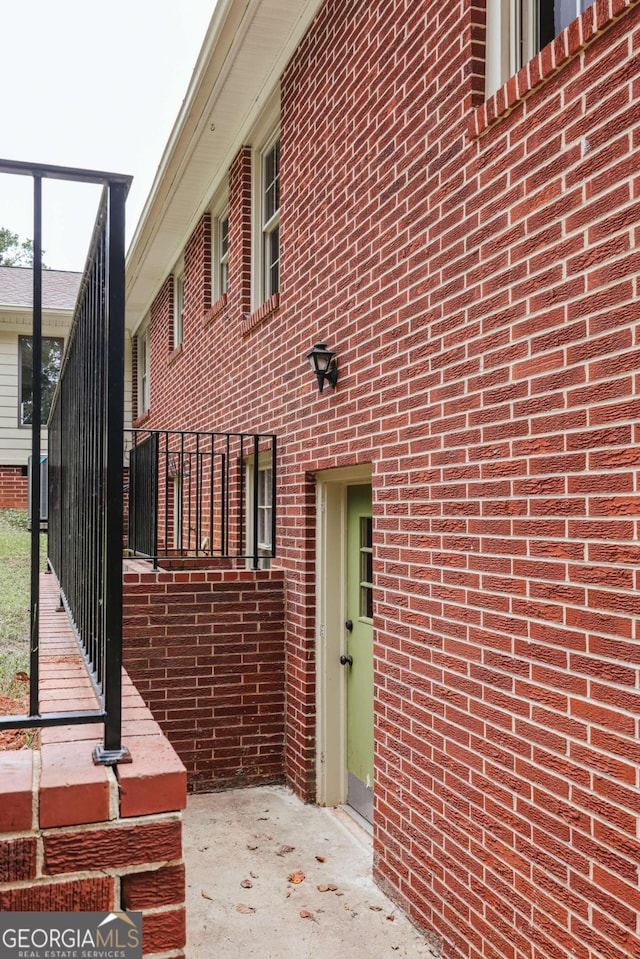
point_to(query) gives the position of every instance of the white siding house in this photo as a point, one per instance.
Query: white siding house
(59, 291)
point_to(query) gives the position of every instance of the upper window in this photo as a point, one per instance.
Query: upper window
(52, 347)
(518, 29)
(178, 309)
(221, 256)
(143, 372)
(270, 195)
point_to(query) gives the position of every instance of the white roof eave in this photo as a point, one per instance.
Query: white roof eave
(246, 48)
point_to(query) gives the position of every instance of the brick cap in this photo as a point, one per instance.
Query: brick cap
(16, 777)
(155, 781)
(69, 767)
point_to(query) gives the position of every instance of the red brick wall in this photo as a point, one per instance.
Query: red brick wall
(13, 488)
(476, 270)
(206, 651)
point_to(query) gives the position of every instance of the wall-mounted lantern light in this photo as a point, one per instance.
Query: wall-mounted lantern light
(323, 364)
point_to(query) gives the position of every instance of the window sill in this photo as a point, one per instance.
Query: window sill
(142, 419)
(268, 308)
(174, 354)
(567, 45)
(216, 310)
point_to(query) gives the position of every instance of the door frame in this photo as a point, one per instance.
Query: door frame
(330, 634)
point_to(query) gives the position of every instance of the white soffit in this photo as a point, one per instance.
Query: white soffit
(246, 49)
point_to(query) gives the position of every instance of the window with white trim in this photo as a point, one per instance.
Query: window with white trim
(178, 308)
(176, 483)
(143, 371)
(265, 509)
(260, 529)
(518, 29)
(270, 209)
(221, 256)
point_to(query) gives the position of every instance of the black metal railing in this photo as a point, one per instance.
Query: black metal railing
(204, 495)
(85, 460)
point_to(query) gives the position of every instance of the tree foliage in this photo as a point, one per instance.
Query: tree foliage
(52, 347)
(13, 250)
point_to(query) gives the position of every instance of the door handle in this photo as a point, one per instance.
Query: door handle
(349, 625)
(346, 660)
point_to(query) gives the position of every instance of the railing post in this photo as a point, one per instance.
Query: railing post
(36, 419)
(155, 439)
(113, 751)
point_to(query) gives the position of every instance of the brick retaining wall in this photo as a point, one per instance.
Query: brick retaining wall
(205, 649)
(79, 837)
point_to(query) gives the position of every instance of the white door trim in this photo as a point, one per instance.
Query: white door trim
(331, 579)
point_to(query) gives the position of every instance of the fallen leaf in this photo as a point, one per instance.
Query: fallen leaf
(330, 887)
(246, 884)
(375, 908)
(321, 858)
(391, 917)
(22, 676)
(305, 914)
(205, 895)
(243, 908)
(283, 850)
(296, 877)
(251, 846)
(339, 894)
(253, 875)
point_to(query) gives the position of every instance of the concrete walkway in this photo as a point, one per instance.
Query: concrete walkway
(242, 846)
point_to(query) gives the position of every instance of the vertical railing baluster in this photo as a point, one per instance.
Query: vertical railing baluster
(256, 491)
(36, 418)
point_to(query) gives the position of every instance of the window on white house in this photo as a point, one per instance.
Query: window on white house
(52, 348)
(518, 29)
(222, 255)
(144, 366)
(178, 309)
(270, 196)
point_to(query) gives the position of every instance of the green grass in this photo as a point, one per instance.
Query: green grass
(15, 547)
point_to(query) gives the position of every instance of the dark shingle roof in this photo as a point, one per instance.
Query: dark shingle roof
(59, 288)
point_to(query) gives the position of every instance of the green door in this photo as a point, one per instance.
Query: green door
(359, 651)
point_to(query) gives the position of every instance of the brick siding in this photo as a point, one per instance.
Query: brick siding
(206, 652)
(13, 488)
(476, 269)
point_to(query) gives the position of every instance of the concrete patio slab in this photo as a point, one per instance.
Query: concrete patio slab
(241, 847)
